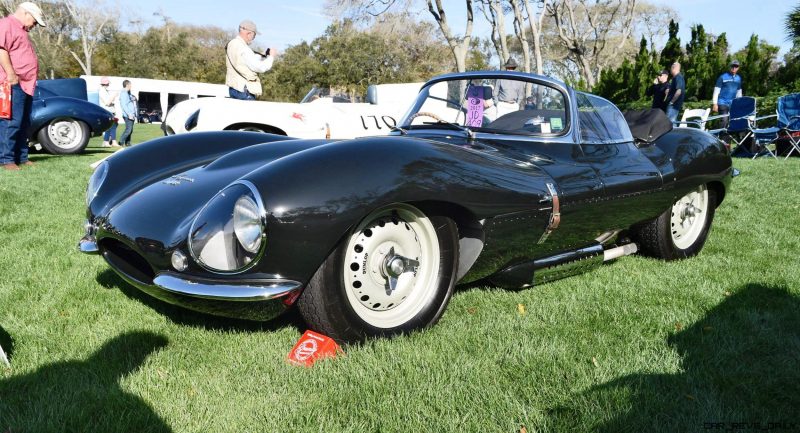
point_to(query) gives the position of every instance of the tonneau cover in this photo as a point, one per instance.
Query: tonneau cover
(648, 125)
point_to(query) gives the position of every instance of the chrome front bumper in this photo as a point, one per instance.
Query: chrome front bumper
(253, 299)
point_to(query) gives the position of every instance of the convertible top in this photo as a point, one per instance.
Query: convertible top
(648, 125)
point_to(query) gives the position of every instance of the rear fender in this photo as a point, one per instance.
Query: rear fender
(692, 157)
(45, 110)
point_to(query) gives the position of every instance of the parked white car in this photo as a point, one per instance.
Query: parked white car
(318, 115)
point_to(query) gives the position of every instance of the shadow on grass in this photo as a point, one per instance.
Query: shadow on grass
(78, 396)
(741, 372)
(181, 316)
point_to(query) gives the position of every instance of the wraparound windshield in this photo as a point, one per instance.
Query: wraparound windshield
(320, 93)
(507, 105)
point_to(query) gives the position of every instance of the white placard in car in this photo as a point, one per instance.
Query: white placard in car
(545, 128)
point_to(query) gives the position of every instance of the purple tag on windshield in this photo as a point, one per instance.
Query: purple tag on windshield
(475, 106)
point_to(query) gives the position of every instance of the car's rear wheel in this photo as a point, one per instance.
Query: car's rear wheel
(682, 230)
(393, 274)
(64, 136)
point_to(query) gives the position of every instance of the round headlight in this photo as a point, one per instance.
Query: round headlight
(96, 181)
(247, 223)
(228, 233)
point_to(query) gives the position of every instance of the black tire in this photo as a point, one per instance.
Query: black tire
(327, 307)
(64, 136)
(657, 238)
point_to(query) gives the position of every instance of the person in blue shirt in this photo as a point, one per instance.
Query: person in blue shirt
(677, 91)
(127, 104)
(728, 87)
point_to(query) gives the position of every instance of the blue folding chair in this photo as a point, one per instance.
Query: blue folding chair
(788, 114)
(741, 120)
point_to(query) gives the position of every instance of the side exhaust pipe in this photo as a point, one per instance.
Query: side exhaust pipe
(560, 266)
(624, 250)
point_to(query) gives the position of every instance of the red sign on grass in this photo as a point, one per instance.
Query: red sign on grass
(312, 346)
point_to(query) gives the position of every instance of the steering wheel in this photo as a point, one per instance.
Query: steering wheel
(425, 114)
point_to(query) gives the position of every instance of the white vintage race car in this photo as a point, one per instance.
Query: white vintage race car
(318, 115)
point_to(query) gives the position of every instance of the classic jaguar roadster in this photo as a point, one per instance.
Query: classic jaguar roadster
(480, 182)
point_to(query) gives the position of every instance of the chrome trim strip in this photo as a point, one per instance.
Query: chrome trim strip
(225, 290)
(88, 245)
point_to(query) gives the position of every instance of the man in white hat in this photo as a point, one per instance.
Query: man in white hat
(19, 67)
(243, 64)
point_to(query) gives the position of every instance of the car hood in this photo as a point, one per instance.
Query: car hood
(159, 214)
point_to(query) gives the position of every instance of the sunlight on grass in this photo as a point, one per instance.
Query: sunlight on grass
(637, 345)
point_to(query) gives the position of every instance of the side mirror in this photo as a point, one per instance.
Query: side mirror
(372, 94)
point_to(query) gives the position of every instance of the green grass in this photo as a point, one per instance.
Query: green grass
(638, 345)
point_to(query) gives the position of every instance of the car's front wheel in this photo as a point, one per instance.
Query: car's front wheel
(393, 274)
(64, 136)
(681, 231)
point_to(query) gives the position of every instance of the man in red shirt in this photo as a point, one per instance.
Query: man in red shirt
(19, 67)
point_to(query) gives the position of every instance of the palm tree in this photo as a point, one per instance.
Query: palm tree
(792, 23)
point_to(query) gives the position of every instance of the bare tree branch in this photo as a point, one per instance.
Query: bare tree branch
(91, 20)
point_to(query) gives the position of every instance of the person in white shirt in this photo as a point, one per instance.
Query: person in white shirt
(108, 100)
(243, 64)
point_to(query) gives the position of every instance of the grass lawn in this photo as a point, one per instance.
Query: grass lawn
(638, 345)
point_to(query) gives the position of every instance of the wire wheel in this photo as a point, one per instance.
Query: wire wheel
(391, 266)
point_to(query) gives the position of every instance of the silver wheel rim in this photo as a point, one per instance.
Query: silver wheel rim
(391, 266)
(65, 133)
(689, 217)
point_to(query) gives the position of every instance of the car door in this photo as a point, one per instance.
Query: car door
(629, 179)
(552, 147)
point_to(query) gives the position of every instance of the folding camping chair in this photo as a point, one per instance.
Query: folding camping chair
(741, 124)
(788, 124)
(696, 117)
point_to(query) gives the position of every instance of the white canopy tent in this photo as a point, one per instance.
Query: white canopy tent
(168, 92)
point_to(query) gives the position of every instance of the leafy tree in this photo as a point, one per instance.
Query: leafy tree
(792, 23)
(697, 69)
(347, 57)
(757, 60)
(629, 82)
(672, 50)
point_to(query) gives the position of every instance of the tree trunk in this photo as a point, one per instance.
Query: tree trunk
(497, 7)
(522, 35)
(458, 46)
(536, 33)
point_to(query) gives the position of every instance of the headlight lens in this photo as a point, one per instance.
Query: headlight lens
(96, 181)
(229, 232)
(247, 223)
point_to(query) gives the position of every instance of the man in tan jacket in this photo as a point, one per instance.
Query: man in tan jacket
(244, 64)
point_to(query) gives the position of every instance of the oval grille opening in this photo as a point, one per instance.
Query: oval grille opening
(127, 261)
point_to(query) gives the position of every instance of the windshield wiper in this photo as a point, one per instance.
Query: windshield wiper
(457, 127)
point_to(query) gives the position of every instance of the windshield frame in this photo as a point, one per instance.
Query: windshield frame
(535, 79)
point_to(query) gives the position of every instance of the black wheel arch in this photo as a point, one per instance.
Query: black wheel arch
(269, 129)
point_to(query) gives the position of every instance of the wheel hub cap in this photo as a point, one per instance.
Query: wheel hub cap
(395, 266)
(64, 133)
